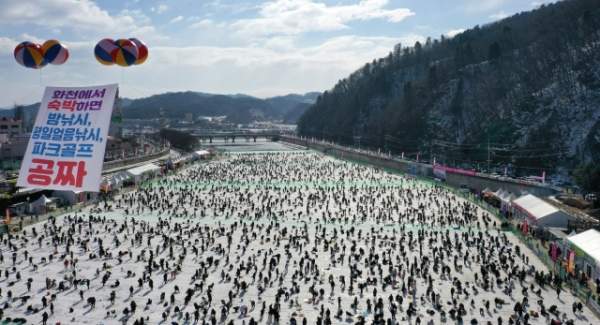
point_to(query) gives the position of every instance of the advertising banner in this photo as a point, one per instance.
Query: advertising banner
(460, 171)
(439, 172)
(67, 143)
(571, 262)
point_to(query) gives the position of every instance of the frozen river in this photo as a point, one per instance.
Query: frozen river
(261, 145)
(279, 236)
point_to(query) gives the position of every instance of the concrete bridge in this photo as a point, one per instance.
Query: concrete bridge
(239, 135)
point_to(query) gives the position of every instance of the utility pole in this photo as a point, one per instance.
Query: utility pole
(431, 151)
(488, 154)
(357, 139)
(385, 145)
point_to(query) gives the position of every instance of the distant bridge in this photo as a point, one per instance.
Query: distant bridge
(233, 135)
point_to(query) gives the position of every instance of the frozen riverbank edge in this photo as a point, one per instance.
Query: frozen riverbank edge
(533, 245)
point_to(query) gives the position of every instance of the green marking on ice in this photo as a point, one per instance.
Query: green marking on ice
(275, 184)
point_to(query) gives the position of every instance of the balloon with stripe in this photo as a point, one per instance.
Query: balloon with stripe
(54, 52)
(125, 54)
(30, 55)
(142, 51)
(103, 51)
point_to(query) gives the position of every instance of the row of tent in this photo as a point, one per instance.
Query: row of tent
(583, 251)
(578, 252)
(134, 175)
(52, 199)
(141, 173)
(533, 210)
(46, 200)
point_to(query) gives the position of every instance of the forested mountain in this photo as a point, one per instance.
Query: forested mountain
(293, 105)
(238, 108)
(525, 90)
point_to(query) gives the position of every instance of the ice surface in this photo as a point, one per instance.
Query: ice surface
(278, 210)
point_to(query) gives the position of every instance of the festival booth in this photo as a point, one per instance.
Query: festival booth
(535, 212)
(490, 197)
(19, 208)
(144, 172)
(36, 202)
(42, 205)
(26, 192)
(114, 182)
(558, 245)
(201, 154)
(506, 198)
(74, 197)
(177, 163)
(584, 253)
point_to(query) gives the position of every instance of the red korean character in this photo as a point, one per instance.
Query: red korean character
(69, 105)
(66, 176)
(55, 105)
(41, 174)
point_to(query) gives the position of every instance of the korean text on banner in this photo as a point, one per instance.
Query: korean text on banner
(66, 148)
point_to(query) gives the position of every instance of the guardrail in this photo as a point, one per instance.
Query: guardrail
(312, 143)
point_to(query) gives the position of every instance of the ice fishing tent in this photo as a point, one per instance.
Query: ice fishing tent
(586, 246)
(538, 212)
(143, 172)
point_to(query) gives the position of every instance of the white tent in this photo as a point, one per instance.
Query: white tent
(27, 191)
(505, 197)
(588, 242)
(539, 212)
(114, 181)
(40, 205)
(74, 197)
(201, 154)
(143, 172)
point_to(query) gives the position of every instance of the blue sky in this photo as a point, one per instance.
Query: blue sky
(261, 48)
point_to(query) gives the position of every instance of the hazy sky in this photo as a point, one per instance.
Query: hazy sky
(261, 48)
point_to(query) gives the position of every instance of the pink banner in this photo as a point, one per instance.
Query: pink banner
(457, 170)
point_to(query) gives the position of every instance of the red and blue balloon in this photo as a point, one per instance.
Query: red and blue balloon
(54, 52)
(35, 56)
(103, 51)
(123, 52)
(30, 55)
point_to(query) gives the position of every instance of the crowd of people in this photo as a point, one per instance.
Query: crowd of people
(279, 238)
